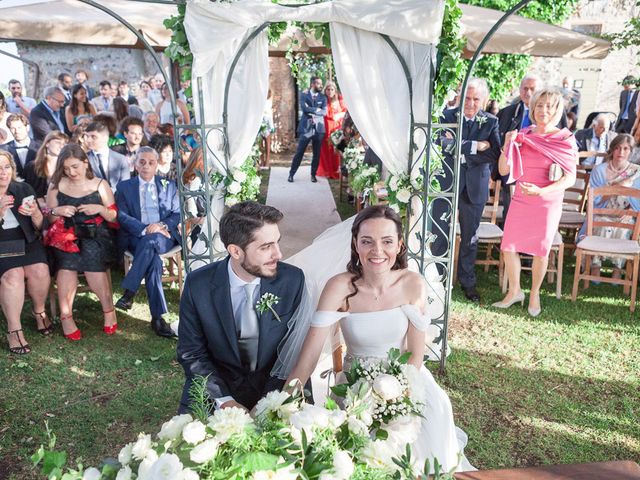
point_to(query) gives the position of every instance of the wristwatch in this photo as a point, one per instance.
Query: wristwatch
(164, 225)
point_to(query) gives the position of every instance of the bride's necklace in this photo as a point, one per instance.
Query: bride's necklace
(376, 296)
(617, 170)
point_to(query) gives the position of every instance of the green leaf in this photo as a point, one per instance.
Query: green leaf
(340, 390)
(381, 434)
(52, 461)
(255, 461)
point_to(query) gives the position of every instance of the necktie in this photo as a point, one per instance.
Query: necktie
(625, 114)
(526, 121)
(150, 204)
(106, 103)
(101, 167)
(249, 330)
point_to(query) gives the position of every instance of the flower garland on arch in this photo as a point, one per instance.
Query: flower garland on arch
(239, 184)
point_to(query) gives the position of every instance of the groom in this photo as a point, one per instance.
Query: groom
(221, 333)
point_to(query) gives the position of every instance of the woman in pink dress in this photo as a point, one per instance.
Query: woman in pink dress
(534, 214)
(329, 157)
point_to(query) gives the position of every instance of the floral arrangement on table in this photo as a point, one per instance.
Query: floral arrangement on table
(336, 137)
(285, 439)
(401, 187)
(353, 156)
(363, 180)
(242, 183)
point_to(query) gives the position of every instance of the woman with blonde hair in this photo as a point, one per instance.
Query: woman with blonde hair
(541, 159)
(39, 172)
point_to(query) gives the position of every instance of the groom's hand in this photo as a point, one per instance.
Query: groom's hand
(233, 403)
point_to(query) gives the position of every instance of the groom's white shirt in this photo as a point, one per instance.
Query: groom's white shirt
(236, 289)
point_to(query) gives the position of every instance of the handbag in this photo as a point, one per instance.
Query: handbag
(12, 248)
(555, 172)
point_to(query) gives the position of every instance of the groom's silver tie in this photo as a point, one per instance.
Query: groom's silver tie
(249, 330)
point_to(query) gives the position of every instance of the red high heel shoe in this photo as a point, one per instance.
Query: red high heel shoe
(75, 335)
(110, 329)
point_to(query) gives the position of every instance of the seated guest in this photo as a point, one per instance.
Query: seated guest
(82, 78)
(619, 171)
(151, 121)
(83, 205)
(110, 122)
(103, 103)
(149, 214)
(143, 97)
(163, 144)
(78, 107)
(39, 172)
(594, 142)
(22, 256)
(120, 111)
(22, 148)
(78, 135)
(4, 116)
(47, 116)
(105, 163)
(134, 109)
(132, 131)
(124, 92)
(163, 108)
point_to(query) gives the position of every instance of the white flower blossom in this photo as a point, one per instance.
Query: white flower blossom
(393, 183)
(337, 418)
(403, 430)
(189, 475)
(234, 188)
(239, 176)
(228, 422)
(146, 464)
(285, 473)
(231, 201)
(403, 195)
(194, 432)
(310, 416)
(273, 402)
(167, 467)
(342, 465)
(204, 452)
(141, 447)
(255, 181)
(394, 207)
(387, 386)
(357, 426)
(124, 473)
(92, 474)
(379, 454)
(171, 430)
(124, 457)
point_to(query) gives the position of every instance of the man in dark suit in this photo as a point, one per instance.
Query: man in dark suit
(594, 142)
(105, 163)
(222, 336)
(149, 214)
(22, 148)
(48, 116)
(516, 117)
(628, 106)
(480, 152)
(311, 126)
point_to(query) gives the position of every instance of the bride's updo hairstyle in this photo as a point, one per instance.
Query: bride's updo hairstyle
(354, 267)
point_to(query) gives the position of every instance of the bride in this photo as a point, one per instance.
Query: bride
(380, 305)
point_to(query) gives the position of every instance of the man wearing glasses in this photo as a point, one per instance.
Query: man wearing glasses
(47, 116)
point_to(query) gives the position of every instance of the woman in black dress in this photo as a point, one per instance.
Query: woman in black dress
(83, 205)
(22, 256)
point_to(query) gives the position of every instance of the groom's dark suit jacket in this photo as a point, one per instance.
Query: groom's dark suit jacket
(207, 341)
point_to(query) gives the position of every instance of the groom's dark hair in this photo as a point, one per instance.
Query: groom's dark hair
(238, 225)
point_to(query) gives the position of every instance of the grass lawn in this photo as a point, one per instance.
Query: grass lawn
(560, 388)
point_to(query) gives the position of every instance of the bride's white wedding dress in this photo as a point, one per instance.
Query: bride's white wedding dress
(371, 335)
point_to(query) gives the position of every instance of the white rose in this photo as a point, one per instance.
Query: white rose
(228, 422)
(124, 457)
(145, 466)
(337, 418)
(394, 207)
(393, 183)
(124, 473)
(416, 178)
(296, 434)
(91, 474)
(379, 454)
(167, 467)
(234, 188)
(189, 475)
(357, 426)
(171, 429)
(141, 447)
(256, 181)
(273, 402)
(403, 430)
(387, 386)
(205, 451)
(311, 416)
(403, 195)
(231, 201)
(239, 176)
(194, 432)
(342, 465)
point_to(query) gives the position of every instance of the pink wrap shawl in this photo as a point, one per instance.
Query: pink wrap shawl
(559, 147)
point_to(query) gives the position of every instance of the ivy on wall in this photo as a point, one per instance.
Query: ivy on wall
(504, 71)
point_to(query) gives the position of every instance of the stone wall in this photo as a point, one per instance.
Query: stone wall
(598, 80)
(102, 63)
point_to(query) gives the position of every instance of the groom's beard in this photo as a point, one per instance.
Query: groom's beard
(257, 270)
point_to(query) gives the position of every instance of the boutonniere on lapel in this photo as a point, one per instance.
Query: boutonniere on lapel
(266, 302)
(481, 119)
(164, 182)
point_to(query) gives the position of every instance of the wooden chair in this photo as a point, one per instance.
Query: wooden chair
(489, 234)
(556, 262)
(592, 245)
(82, 287)
(573, 206)
(174, 258)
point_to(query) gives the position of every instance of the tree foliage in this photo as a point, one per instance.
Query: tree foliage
(630, 36)
(504, 71)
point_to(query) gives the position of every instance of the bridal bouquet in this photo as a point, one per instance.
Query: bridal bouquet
(336, 137)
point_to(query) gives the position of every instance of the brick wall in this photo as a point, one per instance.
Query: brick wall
(283, 91)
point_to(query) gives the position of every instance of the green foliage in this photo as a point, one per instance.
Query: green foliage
(200, 402)
(504, 71)
(629, 37)
(178, 49)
